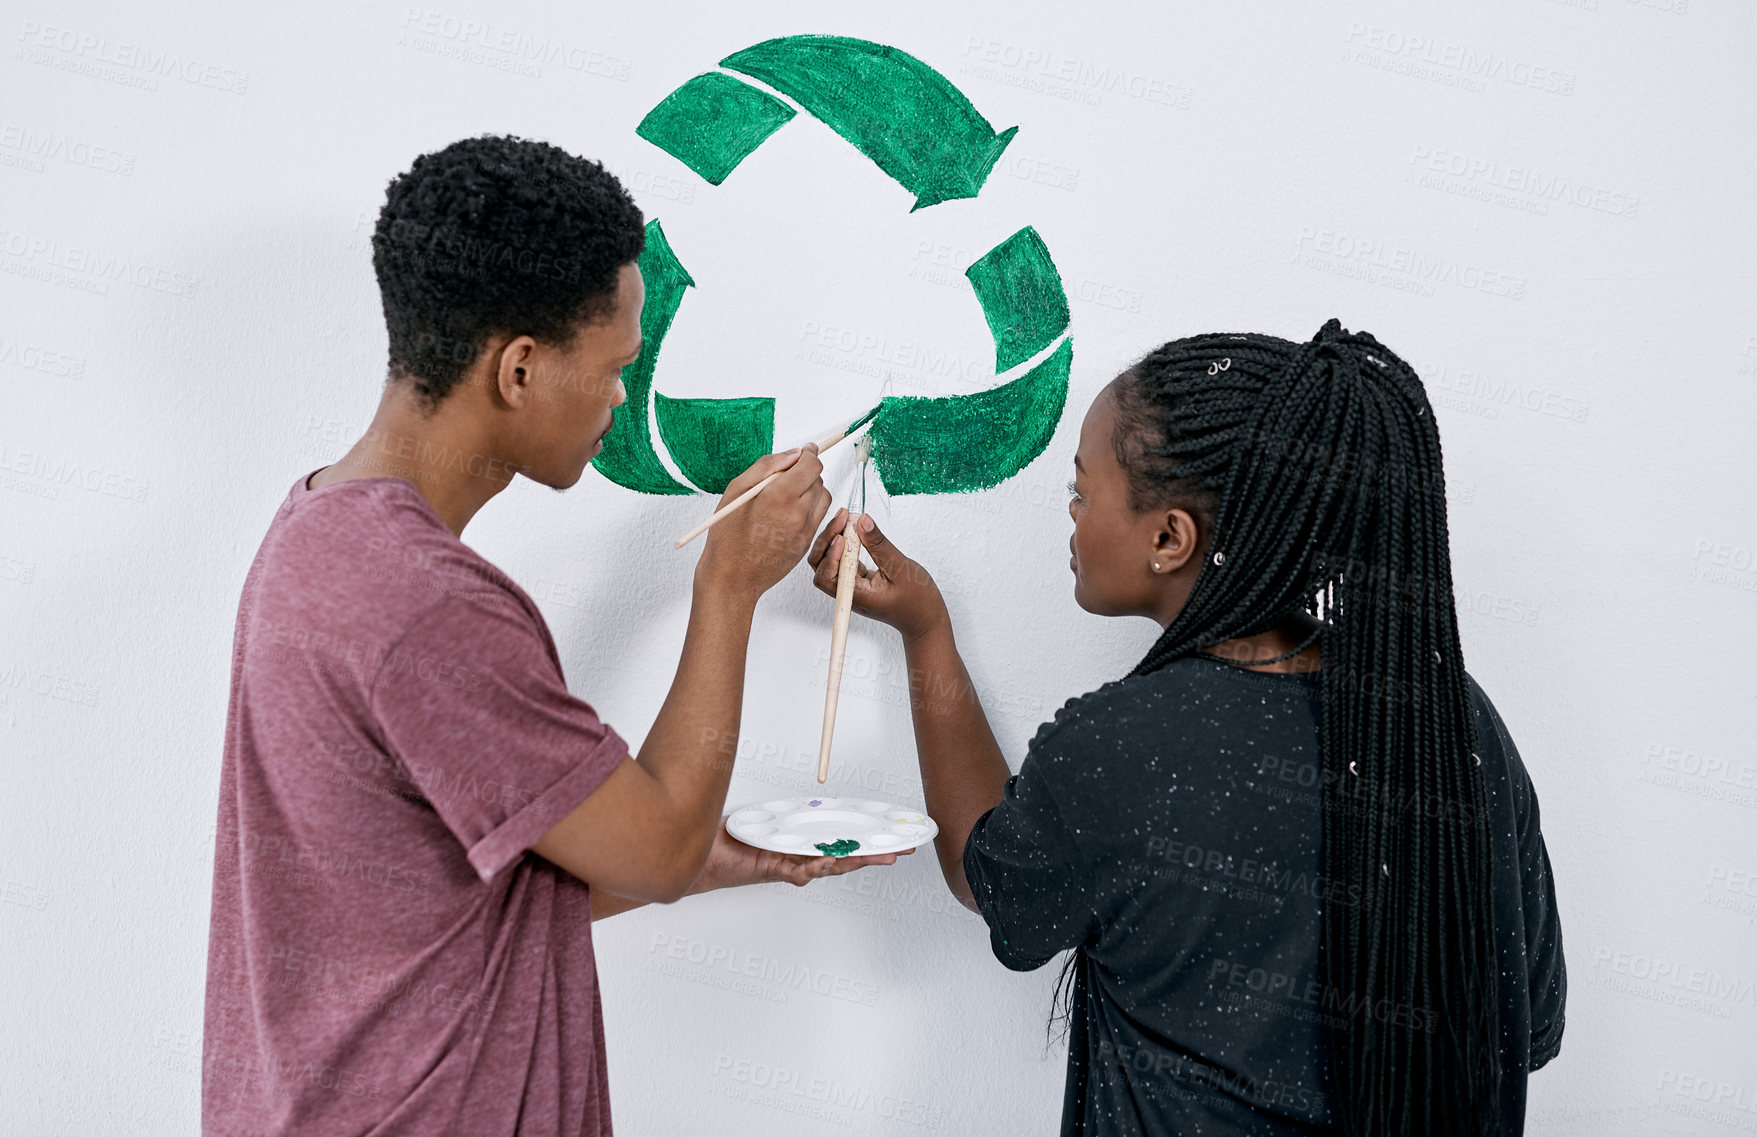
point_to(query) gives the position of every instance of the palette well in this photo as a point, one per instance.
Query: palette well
(831, 826)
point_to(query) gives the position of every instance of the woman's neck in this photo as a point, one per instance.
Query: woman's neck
(1279, 640)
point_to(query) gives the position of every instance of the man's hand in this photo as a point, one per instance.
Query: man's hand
(900, 592)
(731, 862)
(755, 547)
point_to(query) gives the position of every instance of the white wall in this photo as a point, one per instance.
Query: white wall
(1589, 341)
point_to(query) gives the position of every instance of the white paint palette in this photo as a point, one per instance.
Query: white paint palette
(802, 825)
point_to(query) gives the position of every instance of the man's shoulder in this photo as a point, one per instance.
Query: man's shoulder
(382, 530)
(366, 561)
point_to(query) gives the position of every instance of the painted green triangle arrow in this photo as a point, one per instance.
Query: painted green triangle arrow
(970, 442)
(715, 440)
(1022, 297)
(627, 458)
(711, 440)
(713, 122)
(895, 109)
(892, 107)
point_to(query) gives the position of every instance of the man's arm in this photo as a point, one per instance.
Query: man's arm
(731, 863)
(609, 904)
(645, 833)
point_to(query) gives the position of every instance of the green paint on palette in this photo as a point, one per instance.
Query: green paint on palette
(1022, 297)
(627, 458)
(970, 442)
(715, 440)
(838, 848)
(892, 107)
(713, 122)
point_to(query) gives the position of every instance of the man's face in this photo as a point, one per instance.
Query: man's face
(574, 390)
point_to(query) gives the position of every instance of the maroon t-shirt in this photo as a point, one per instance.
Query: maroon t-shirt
(384, 955)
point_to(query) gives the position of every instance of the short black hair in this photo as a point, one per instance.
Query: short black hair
(492, 234)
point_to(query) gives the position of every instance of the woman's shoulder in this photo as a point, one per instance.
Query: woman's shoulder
(1496, 747)
(1078, 708)
(1093, 708)
(1161, 698)
(1491, 729)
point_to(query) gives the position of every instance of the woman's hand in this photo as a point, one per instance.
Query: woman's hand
(898, 592)
(731, 862)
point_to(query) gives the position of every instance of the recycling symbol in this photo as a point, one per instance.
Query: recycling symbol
(921, 131)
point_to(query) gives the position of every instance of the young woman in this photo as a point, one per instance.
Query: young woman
(1294, 851)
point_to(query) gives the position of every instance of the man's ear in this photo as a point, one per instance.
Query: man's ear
(515, 373)
(1174, 544)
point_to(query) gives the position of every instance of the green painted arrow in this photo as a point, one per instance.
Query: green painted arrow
(715, 440)
(970, 442)
(713, 122)
(627, 458)
(1022, 297)
(711, 440)
(892, 107)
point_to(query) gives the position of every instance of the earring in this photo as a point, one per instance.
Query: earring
(1155, 566)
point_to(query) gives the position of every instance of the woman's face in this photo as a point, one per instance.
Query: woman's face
(1125, 563)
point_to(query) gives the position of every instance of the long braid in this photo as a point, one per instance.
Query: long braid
(1319, 467)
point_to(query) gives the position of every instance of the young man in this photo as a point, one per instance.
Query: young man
(417, 820)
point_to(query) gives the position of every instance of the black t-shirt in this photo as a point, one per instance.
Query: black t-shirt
(1170, 825)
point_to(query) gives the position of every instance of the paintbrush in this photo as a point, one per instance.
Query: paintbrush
(756, 489)
(847, 573)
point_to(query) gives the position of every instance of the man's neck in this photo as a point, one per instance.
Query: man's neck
(457, 470)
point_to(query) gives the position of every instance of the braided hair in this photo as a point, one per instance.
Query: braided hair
(1315, 468)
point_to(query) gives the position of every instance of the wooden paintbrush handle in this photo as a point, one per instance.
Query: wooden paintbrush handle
(846, 574)
(748, 494)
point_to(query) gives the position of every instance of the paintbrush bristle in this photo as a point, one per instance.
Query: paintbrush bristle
(863, 446)
(862, 420)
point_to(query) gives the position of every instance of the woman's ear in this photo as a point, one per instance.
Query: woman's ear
(1175, 540)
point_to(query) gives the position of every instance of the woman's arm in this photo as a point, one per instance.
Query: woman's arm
(962, 770)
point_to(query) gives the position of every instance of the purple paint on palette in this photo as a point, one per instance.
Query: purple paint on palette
(814, 802)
